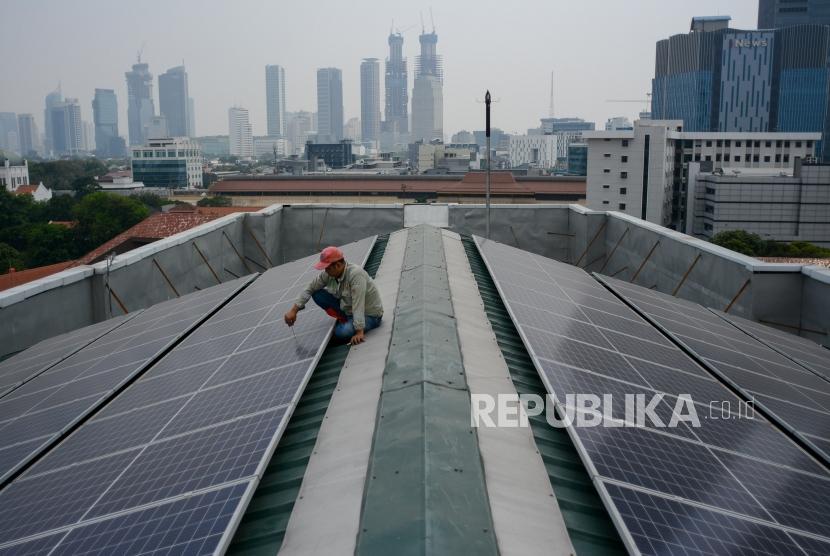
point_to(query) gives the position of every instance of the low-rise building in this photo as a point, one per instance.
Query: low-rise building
(169, 163)
(39, 192)
(643, 172)
(335, 155)
(777, 206)
(13, 176)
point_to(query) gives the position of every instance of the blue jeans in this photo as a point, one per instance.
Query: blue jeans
(344, 329)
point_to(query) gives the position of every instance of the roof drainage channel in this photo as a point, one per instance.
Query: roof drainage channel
(526, 516)
(425, 491)
(326, 517)
(263, 527)
(587, 521)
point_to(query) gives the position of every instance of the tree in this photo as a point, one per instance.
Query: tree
(741, 241)
(10, 258)
(84, 185)
(152, 200)
(59, 207)
(101, 216)
(48, 244)
(60, 174)
(217, 201)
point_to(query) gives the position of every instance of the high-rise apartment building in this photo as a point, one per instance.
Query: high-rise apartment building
(427, 95)
(329, 105)
(105, 117)
(370, 99)
(27, 134)
(275, 100)
(174, 101)
(773, 14)
(140, 105)
(352, 130)
(719, 79)
(240, 134)
(87, 137)
(397, 89)
(67, 127)
(52, 99)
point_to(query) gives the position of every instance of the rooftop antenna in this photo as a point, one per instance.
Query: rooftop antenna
(392, 29)
(423, 29)
(141, 51)
(432, 20)
(550, 109)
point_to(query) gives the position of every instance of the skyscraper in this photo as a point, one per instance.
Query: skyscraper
(299, 126)
(773, 14)
(67, 127)
(27, 134)
(370, 99)
(191, 117)
(105, 118)
(52, 99)
(140, 106)
(174, 101)
(396, 123)
(240, 134)
(720, 79)
(9, 137)
(275, 100)
(427, 95)
(329, 105)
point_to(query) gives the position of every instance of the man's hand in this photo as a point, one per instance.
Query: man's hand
(357, 338)
(291, 316)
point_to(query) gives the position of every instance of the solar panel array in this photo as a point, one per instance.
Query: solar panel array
(169, 465)
(27, 364)
(730, 485)
(37, 413)
(798, 398)
(809, 354)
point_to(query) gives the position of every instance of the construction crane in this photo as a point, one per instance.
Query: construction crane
(141, 51)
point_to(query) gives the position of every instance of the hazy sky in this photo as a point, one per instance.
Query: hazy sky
(598, 49)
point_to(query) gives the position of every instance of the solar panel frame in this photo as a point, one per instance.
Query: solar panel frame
(77, 339)
(167, 437)
(785, 344)
(213, 298)
(600, 481)
(721, 369)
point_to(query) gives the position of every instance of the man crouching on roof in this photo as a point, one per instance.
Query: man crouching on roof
(346, 292)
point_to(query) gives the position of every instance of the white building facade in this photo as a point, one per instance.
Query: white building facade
(240, 134)
(13, 176)
(538, 151)
(643, 172)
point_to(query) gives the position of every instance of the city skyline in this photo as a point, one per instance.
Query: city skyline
(594, 59)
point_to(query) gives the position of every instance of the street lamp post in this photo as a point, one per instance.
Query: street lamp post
(487, 182)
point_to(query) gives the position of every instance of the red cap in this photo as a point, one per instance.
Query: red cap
(327, 256)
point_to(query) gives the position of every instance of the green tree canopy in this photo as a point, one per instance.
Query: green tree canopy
(60, 174)
(101, 216)
(740, 241)
(755, 246)
(10, 258)
(217, 201)
(48, 244)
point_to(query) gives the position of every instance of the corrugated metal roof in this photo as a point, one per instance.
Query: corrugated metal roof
(263, 526)
(589, 525)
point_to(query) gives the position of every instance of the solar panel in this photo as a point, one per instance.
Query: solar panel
(36, 359)
(175, 457)
(796, 397)
(689, 489)
(41, 410)
(808, 354)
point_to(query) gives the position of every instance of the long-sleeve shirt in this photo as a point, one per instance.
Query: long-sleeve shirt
(355, 289)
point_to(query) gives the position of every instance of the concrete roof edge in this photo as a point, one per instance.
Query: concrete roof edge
(270, 209)
(62, 278)
(140, 253)
(816, 273)
(344, 205)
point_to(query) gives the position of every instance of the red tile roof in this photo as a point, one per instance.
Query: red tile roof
(25, 190)
(473, 184)
(17, 278)
(158, 226)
